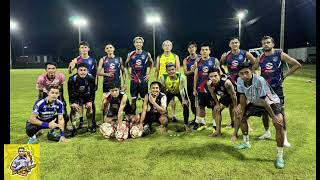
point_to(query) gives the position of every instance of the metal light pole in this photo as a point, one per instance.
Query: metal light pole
(283, 7)
(240, 16)
(78, 22)
(153, 20)
(13, 27)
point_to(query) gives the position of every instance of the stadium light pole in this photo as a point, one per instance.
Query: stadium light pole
(283, 9)
(14, 26)
(240, 16)
(153, 19)
(78, 22)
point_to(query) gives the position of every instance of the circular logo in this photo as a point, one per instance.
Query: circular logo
(138, 62)
(205, 69)
(112, 66)
(234, 63)
(240, 56)
(275, 59)
(269, 66)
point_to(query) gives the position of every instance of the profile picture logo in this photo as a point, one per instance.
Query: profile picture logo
(23, 163)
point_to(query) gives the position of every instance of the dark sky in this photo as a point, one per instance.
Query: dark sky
(46, 30)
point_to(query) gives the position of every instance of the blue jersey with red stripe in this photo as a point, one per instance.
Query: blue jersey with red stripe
(203, 75)
(138, 64)
(91, 63)
(232, 61)
(190, 63)
(111, 65)
(271, 68)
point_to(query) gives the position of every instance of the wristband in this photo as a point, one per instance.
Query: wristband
(45, 124)
(62, 133)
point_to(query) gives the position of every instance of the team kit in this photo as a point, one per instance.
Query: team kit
(206, 82)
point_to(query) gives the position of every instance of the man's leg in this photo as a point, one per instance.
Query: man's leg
(163, 123)
(279, 163)
(89, 115)
(173, 107)
(245, 134)
(236, 123)
(31, 131)
(192, 102)
(185, 113)
(217, 117)
(134, 95)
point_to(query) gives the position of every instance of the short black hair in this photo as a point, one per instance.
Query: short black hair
(53, 87)
(170, 64)
(108, 43)
(82, 65)
(51, 63)
(156, 82)
(192, 43)
(205, 45)
(114, 85)
(245, 65)
(267, 37)
(234, 37)
(211, 70)
(21, 148)
(84, 43)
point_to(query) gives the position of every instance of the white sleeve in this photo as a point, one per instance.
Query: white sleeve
(164, 102)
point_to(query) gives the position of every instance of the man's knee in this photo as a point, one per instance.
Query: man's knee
(163, 120)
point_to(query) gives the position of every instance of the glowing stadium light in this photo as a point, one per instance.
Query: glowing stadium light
(79, 22)
(241, 16)
(14, 25)
(153, 19)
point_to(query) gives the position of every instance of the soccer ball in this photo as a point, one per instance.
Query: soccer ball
(122, 132)
(107, 130)
(135, 132)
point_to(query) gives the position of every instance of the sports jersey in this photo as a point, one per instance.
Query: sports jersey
(190, 63)
(161, 100)
(44, 82)
(163, 61)
(116, 101)
(172, 85)
(81, 88)
(257, 90)
(271, 68)
(20, 162)
(233, 61)
(203, 76)
(45, 110)
(220, 88)
(111, 65)
(138, 64)
(91, 63)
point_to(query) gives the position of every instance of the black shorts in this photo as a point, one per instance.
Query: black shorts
(113, 112)
(152, 117)
(279, 91)
(82, 100)
(205, 99)
(32, 129)
(138, 88)
(252, 110)
(225, 100)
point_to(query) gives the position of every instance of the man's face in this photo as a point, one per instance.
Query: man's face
(155, 89)
(205, 51)
(192, 49)
(114, 92)
(267, 44)
(245, 74)
(21, 152)
(171, 71)
(138, 44)
(234, 44)
(214, 77)
(109, 49)
(167, 47)
(84, 49)
(51, 70)
(82, 72)
(53, 94)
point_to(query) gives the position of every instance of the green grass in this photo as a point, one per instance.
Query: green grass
(188, 156)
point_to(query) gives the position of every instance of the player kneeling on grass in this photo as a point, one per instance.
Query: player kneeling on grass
(47, 113)
(222, 86)
(81, 89)
(261, 98)
(175, 86)
(158, 109)
(119, 119)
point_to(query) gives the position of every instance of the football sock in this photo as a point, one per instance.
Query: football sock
(280, 152)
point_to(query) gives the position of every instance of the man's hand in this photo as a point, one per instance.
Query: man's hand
(75, 106)
(152, 100)
(53, 125)
(141, 126)
(193, 67)
(110, 74)
(124, 87)
(88, 105)
(195, 93)
(209, 83)
(147, 77)
(63, 140)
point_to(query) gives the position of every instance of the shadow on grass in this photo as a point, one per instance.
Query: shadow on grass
(203, 152)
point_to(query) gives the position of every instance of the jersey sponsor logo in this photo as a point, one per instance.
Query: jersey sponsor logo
(234, 63)
(143, 56)
(275, 59)
(138, 62)
(240, 56)
(269, 66)
(192, 66)
(210, 63)
(205, 69)
(112, 66)
(82, 88)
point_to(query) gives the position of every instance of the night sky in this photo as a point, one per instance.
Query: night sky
(45, 28)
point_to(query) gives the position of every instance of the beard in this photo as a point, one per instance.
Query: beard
(267, 50)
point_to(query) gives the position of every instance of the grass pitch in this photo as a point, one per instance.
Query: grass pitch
(181, 155)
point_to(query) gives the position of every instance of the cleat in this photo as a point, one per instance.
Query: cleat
(266, 135)
(196, 126)
(279, 163)
(174, 119)
(32, 140)
(243, 146)
(202, 127)
(286, 144)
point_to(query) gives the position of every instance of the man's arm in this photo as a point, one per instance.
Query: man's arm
(217, 65)
(61, 122)
(100, 70)
(185, 68)
(195, 78)
(295, 65)
(230, 88)
(91, 88)
(127, 66)
(182, 88)
(123, 72)
(72, 65)
(254, 62)
(222, 61)
(213, 94)
(151, 64)
(120, 112)
(177, 63)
